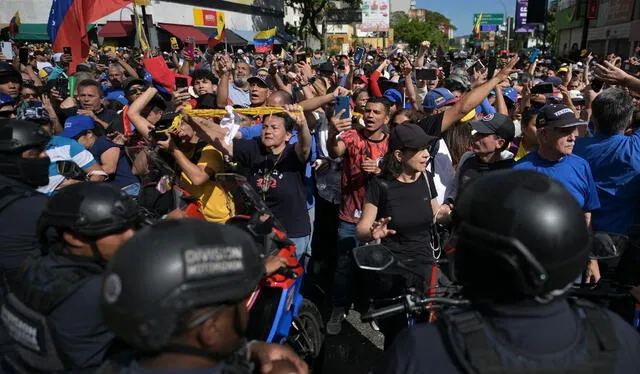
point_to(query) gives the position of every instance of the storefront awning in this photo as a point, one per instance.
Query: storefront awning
(182, 32)
(37, 31)
(116, 29)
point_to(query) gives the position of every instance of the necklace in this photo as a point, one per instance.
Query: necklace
(267, 177)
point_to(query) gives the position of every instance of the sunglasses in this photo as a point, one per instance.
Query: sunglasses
(136, 89)
(29, 96)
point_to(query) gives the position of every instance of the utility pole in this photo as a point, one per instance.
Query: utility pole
(508, 31)
(585, 27)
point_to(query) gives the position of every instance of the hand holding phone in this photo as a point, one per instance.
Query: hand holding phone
(181, 82)
(343, 102)
(427, 74)
(67, 51)
(357, 57)
(542, 88)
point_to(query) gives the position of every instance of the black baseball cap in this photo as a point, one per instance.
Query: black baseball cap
(557, 115)
(409, 135)
(266, 81)
(326, 67)
(496, 123)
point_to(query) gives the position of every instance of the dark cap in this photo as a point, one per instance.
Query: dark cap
(409, 135)
(326, 67)
(557, 115)
(496, 123)
(265, 82)
(134, 81)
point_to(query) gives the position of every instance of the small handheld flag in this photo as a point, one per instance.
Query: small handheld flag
(263, 40)
(218, 33)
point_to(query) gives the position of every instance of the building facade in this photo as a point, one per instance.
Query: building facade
(616, 29)
(244, 16)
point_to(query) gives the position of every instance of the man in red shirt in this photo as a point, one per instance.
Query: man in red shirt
(362, 151)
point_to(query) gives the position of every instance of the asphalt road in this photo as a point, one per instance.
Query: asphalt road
(356, 350)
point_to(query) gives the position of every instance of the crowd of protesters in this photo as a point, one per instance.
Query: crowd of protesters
(387, 167)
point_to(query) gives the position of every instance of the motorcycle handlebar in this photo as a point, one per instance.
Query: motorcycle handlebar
(410, 306)
(385, 312)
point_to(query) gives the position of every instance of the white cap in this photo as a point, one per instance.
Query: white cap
(576, 95)
(57, 56)
(369, 57)
(239, 51)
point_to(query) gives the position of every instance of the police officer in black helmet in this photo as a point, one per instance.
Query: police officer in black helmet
(57, 295)
(24, 166)
(521, 240)
(177, 292)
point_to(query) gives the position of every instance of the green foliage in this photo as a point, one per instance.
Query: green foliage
(312, 14)
(414, 32)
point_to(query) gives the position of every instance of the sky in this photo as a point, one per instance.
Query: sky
(461, 12)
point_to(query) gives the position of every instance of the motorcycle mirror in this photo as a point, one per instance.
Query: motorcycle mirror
(374, 257)
(606, 246)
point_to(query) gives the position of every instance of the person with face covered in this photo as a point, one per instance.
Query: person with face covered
(81, 228)
(24, 166)
(199, 313)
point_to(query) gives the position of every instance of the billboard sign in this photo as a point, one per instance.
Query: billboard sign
(521, 17)
(375, 15)
(489, 18)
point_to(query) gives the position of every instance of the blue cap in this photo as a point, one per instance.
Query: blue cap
(510, 93)
(438, 98)
(76, 125)
(393, 95)
(556, 81)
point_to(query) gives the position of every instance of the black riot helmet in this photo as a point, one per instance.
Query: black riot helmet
(90, 211)
(17, 136)
(518, 234)
(171, 269)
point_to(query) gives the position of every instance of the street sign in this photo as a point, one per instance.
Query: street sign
(489, 18)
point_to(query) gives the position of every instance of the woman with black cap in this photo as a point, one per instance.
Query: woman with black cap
(400, 208)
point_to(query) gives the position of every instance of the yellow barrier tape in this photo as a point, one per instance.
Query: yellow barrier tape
(258, 111)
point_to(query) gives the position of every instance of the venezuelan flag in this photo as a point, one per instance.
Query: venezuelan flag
(263, 41)
(14, 24)
(218, 33)
(476, 28)
(68, 20)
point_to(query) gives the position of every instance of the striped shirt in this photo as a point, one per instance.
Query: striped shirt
(64, 149)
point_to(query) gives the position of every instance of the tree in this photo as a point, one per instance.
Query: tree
(396, 17)
(414, 32)
(313, 12)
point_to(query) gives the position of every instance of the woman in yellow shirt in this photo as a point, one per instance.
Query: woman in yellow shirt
(198, 163)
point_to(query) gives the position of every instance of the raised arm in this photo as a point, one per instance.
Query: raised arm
(475, 96)
(142, 125)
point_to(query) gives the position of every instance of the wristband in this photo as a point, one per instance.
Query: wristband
(97, 172)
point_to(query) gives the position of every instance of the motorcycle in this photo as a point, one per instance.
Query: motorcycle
(415, 304)
(278, 312)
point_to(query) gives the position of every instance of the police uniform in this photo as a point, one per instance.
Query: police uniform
(548, 333)
(20, 207)
(52, 304)
(516, 269)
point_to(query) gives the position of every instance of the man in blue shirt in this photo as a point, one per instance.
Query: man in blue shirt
(614, 161)
(557, 133)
